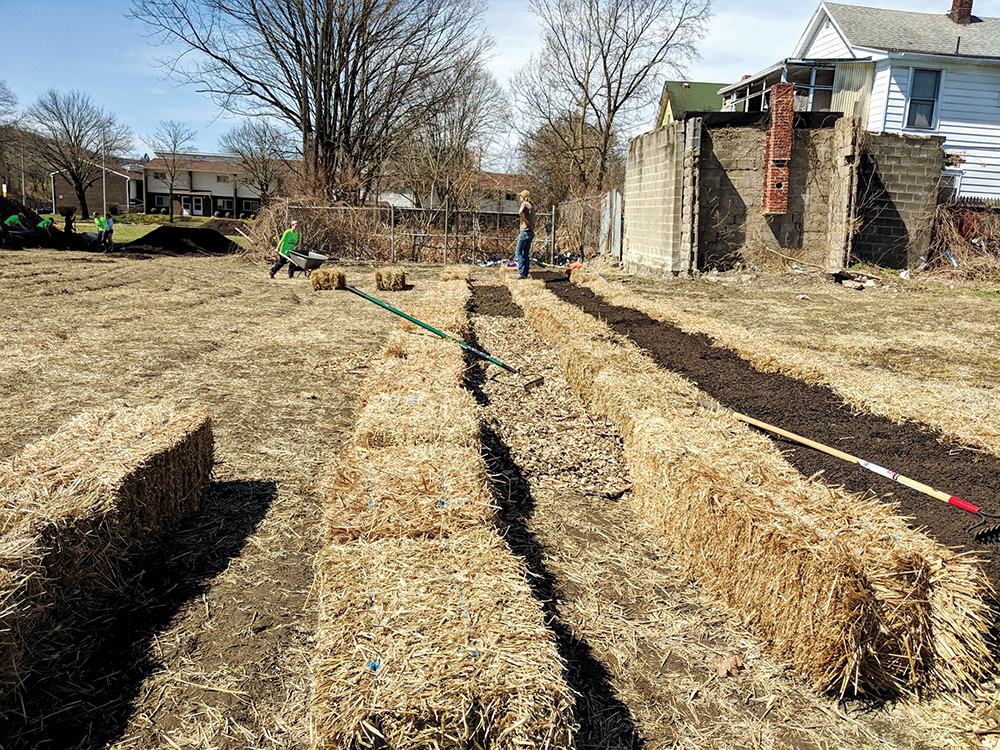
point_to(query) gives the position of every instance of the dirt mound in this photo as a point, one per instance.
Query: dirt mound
(228, 226)
(8, 207)
(167, 240)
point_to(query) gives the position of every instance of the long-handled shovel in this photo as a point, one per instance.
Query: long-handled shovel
(481, 354)
(978, 533)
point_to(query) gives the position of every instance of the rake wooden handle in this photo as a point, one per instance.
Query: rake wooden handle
(875, 468)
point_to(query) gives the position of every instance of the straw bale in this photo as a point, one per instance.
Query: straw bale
(458, 273)
(841, 588)
(328, 278)
(413, 363)
(442, 308)
(434, 644)
(407, 417)
(406, 490)
(76, 507)
(390, 279)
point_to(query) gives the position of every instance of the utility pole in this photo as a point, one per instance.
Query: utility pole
(24, 193)
(104, 168)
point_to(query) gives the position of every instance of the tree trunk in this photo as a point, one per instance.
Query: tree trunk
(81, 196)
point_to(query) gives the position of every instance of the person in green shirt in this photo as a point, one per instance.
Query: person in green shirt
(11, 223)
(287, 244)
(45, 223)
(101, 225)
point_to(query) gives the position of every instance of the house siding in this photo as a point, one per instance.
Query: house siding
(880, 95)
(827, 43)
(968, 117)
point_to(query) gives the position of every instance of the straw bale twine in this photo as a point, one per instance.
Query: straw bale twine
(841, 588)
(434, 643)
(406, 417)
(328, 278)
(390, 279)
(78, 505)
(415, 490)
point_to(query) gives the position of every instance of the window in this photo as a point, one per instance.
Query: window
(923, 98)
(159, 175)
(222, 178)
(251, 206)
(225, 204)
(160, 201)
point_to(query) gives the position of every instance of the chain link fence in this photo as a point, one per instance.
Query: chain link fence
(390, 234)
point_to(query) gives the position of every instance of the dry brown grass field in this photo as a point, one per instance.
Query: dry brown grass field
(210, 644)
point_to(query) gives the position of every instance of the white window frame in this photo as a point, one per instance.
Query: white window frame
(936, 114)
(160, 201)
(223, 178)
(221, 203)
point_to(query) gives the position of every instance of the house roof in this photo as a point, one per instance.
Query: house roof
(220, 165)
(907, 31)
(690, 96)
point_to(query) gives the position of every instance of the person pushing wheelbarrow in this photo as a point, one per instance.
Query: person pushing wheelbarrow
(286, 246)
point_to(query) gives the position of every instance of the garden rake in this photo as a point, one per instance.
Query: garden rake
(985, 530)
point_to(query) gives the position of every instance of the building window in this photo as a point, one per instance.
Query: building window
(251, 206)
(923, 98)
(225, 204)
(160, 201)
(159, 175)
(222, 178)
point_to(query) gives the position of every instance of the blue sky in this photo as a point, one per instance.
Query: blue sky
(91, 46)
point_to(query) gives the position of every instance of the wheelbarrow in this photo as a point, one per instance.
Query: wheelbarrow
(307, 261)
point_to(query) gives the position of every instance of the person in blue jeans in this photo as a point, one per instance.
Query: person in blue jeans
(523, 252)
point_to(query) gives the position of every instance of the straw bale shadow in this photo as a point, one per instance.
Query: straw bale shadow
(82, 690)
(604, 721)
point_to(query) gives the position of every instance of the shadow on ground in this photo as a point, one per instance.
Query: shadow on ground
(81, 693)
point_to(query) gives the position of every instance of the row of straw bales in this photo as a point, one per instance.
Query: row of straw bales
(428, 633)
(965, 415)
(77, 507)
(840, 588)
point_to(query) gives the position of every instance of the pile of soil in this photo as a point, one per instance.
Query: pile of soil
(227, 226)
(167, 240)
(816, 412)
(9, 207)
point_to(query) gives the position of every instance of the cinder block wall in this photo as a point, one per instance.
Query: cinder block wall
(898, 177)
(653, 200)
(733, 186)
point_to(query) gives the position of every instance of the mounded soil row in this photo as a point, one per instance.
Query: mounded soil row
(818, 413)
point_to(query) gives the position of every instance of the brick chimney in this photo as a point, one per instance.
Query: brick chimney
(778, 149)
(961, 11)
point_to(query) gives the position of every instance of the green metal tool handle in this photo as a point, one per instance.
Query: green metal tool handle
(442, 334)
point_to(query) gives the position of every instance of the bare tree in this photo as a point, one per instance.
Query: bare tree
(352, 77)
(450, 146)
(77, 138)
(565, 157)
(9, 134)
(169, 142)
(264, 151)
(599, 68)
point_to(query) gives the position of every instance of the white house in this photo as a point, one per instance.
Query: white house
(900, 72)
(205, 184)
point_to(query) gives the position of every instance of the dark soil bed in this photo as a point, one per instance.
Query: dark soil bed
(181, 241)
(821, 415)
